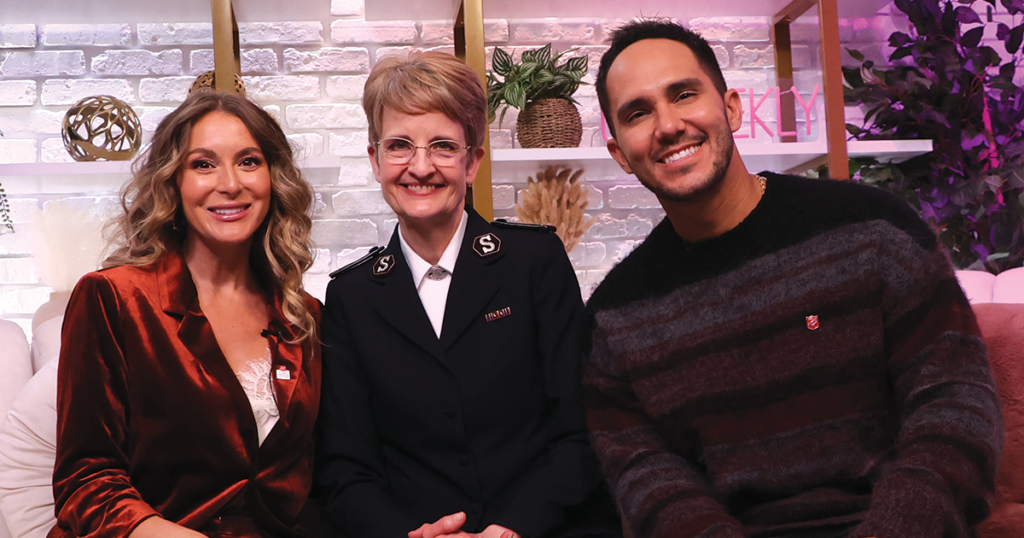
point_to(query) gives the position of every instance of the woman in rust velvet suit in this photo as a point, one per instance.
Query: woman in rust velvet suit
(189, 371)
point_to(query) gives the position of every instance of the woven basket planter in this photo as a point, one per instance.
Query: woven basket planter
(549, 123)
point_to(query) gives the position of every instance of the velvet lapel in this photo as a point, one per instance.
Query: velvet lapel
(474, 283)
(180, 299)
(398, 302)
(286, 354)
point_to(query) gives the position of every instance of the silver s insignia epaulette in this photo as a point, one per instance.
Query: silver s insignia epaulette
(369, 256)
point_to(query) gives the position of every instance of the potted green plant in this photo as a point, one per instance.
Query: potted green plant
(542, 88)
(945, 84)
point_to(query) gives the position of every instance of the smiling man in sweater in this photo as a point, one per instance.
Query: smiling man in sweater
(782, 357)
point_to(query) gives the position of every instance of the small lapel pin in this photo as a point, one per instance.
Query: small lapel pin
(283, 373)
(437, 273)
(498, 314)
(383, 265)
(486, 244)
(813, 323)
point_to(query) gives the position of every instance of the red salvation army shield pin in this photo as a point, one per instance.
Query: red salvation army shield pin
(813, 323)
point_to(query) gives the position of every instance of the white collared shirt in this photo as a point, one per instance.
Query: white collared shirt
(434, 293)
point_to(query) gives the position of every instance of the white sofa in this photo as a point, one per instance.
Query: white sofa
(28, 430)
(984, 287)
(16, 365)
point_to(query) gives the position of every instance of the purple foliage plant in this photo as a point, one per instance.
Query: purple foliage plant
(945, 83)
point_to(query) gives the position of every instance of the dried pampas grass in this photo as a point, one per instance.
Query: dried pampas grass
(556, 198)
(71, 242)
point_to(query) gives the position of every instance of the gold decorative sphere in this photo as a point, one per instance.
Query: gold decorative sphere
(206, 82)
(102, 127)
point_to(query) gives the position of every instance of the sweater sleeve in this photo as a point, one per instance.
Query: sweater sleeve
(950, 433)
(93, 494)
(660, 492)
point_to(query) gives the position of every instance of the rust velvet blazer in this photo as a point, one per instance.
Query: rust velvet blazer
(152, 420)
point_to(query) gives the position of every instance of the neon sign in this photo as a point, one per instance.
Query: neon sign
(755, 105)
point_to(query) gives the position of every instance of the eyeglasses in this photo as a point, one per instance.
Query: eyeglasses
(440, 152)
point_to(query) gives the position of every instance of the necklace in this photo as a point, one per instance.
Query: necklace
(763, 182)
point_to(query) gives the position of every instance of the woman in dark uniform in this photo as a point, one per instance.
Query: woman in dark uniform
(451, 397)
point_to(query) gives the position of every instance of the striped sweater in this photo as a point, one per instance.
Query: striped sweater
(814, 372)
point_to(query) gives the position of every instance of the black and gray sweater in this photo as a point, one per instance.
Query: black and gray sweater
(815, 371)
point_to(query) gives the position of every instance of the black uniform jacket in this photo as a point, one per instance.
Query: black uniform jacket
(487, 419)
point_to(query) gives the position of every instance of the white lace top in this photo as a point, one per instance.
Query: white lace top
(258, 387)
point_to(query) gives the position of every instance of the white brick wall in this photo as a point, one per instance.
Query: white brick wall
(164, 89)
(17, 151)
(17, 36)
(307, 145)
(631, 197)
(348, 143)
(52, 150)
(283, 88)
(70, 91)
(24, 210)
(252, 60)
(347, 32)
(503, 196)
(353, 203)
(349, 59)
(340, 116)
(545, 30)
(137, 62)
(17, 92)
(345, 232)
(58, 35)
(441, 32)
(608, 227)
(589, 255)
(151, 116)
(347, 8)
(289, 33)
(42, 64)
(260, 61)
(346, 87)
(754, 55)
(17, 271)
(732, 28)
(193, 33)
(356, 171)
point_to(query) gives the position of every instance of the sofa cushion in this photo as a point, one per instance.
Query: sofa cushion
(1002, 326)
(28, 439)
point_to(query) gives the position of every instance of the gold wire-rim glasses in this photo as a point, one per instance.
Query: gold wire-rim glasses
(398, 150)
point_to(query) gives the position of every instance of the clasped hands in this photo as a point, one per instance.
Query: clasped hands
(448, 527)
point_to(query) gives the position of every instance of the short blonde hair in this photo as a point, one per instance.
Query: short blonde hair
(427, 82)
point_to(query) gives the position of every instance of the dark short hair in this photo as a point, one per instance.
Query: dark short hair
(642, 29)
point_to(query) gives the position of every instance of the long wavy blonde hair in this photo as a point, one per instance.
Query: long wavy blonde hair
(153, 223)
